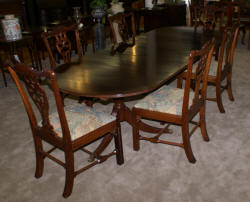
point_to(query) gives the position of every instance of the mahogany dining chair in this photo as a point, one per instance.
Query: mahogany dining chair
(177, 106)
(68, 129)
(58, 43)
(220, 70)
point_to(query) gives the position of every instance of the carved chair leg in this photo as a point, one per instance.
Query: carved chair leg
(203, 124)
(69, 179)
(229, 86)
(39, 158)
(136, 142)
(218, 97)
(186, 143)
(118, 145)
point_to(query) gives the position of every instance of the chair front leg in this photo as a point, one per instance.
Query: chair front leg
(118, 145)
(186, 143)
(218, 97)
(229, 86)
(69, 179)
(203, 124)
(136, 137)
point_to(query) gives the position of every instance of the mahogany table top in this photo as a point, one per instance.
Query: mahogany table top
(157, 57)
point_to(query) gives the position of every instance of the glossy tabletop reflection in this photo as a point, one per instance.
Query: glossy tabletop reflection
(157, 56)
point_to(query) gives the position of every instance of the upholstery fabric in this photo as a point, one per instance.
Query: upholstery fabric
(81, 120)
(212, 69)
(166, 99)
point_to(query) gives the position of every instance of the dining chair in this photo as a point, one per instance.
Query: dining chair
(57, 42)
(68, 129)
(220, 70)
(177, 106)
(122, 26)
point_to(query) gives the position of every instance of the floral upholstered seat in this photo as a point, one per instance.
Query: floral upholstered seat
(81, 120)
(167, 99)
(212, 69)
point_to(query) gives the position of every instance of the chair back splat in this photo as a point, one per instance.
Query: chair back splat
(70, 128)
(177, 106)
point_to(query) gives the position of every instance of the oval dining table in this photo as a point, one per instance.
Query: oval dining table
(157, 57)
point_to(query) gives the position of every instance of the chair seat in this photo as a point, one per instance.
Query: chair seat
(81, 120)
(166, 99)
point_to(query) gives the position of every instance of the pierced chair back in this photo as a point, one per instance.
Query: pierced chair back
(200, 77)
(122, 27)
(221, 70)
(70, 128)
(38, 95)
(61, 41)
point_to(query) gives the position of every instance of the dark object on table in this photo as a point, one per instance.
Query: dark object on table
(122, 27)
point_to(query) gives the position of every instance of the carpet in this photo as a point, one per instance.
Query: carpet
(155, 173)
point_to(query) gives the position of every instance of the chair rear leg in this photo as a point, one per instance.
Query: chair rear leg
(118, 145)
(136, 141)
(203, 124)
(186, 143)
(229, 86)
(69, 179)
(179, 81)
(4, 77)
(218, 97)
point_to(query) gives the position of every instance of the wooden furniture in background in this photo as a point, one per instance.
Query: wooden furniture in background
(57, 42)
(221, 69)
(14, 7)
(68, 129)
(169, 15)
(177, 106)
(9, 48)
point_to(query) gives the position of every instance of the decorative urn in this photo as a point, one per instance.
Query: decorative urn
(11, 28)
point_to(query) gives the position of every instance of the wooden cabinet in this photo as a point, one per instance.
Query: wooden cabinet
(169, 15)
